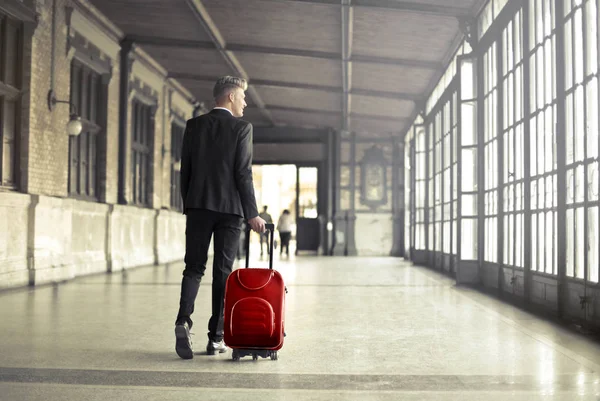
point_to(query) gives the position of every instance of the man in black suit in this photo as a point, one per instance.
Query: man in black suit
(217, 192)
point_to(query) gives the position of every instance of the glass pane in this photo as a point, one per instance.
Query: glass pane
(570, 243)
(578, 46)
(548, 191)
(532, 18)
(549, 243)
(83, 157)
(519, 240)
(345, 175)
(469, 170)
(93, 97)
(533, 146)
(534, 242)
(73, 164)
(543, 235)
(519, 94)
(593, 181)
(579, 124)
(447, 237)
(592, 117)
(469, 205)
(468, 241)
(307, 200)
(570, 186)
(468, 114)
(593, 235)
(569, 54)
(579, 184)
(541, 155)
(11, 49)
(8, 142)
(549, 141)
(548, 66)
(579, 242)
(591, 37)
(454, 239)
(93, 162)
(519, 152)
(467, 80)
(541, 192)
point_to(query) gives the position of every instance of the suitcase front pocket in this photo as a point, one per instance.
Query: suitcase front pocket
(252, 317)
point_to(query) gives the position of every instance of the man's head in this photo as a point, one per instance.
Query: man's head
(229, 93)
(265, 208)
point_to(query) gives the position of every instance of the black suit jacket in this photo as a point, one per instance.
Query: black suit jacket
(216, 165)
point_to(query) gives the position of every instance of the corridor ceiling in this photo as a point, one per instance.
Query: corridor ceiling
(356, 65)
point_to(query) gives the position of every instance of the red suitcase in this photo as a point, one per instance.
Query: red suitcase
(254, 309)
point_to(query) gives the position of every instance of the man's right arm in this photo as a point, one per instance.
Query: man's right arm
(243, 172)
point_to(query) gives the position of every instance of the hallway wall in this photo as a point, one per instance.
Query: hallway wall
(368, 211)
(66, 212)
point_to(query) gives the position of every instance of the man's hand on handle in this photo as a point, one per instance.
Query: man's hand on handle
(257, 224)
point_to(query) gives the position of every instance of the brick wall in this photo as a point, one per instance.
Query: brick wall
(48, 141)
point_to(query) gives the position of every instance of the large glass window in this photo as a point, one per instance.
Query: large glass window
(141, 146)
(489, 13)
(581, 129)
(11, 44)
(490, 105)
(437, 187)
(86, 95)
(445, 174)
(408, 191)
(542, 158)
(420, 187)
(432, 238)
(513, 182)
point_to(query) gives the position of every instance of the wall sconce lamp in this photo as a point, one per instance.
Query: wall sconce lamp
(74, 126)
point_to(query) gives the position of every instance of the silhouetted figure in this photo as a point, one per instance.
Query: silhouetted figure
(284, 226)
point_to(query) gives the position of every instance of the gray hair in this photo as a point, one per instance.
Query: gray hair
(226, 84)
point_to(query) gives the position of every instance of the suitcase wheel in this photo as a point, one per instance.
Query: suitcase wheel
(254, 357)
(235, 355)
(274, 355)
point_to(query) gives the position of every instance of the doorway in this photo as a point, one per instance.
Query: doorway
(294, 188)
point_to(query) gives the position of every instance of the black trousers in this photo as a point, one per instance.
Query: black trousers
(200, 226)
(285, 237)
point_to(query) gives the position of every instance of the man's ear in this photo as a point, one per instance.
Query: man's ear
(231, 96)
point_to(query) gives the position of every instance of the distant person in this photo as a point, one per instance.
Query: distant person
(264, 235)
(217, 191)
(284, 226)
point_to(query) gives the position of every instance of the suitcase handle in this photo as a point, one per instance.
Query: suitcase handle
(270, 229)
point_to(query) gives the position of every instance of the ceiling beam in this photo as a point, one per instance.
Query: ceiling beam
(198, 44)
(347, 29)
(202, 15)
(398, 5)
(400, 120)
(323, 88)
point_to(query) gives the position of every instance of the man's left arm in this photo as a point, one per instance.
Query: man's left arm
(186, 162)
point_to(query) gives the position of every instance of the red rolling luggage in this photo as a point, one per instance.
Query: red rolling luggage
(254, 309)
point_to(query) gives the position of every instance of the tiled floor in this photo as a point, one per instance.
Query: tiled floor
(358, 329)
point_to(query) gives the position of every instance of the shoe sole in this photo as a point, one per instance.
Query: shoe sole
(213, 351)
(182, 343)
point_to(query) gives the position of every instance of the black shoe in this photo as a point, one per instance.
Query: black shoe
(183, 342)
(215, 346)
